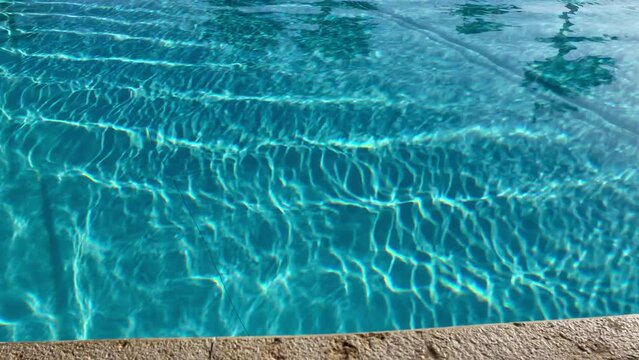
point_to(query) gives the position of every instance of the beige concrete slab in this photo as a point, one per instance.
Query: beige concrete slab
(595, 338)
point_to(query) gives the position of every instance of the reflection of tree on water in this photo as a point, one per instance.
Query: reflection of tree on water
(474, 15)
(562, 73)
(566, 76)
(241, 29)
(8, 29)
(334, 36)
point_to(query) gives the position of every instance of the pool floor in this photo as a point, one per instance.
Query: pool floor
(224, 168)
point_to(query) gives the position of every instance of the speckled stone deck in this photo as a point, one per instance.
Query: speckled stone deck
(594, 338)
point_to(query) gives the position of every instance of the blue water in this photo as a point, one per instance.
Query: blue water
(350, 165)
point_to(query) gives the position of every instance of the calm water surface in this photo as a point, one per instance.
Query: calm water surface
(350, 165)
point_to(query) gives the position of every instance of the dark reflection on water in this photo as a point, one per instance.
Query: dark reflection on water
(562, 73)
(337, 31)
(243, 30)
(474, 17)
(565, 73)
(8, 29)
(337, 36)
(568, 75)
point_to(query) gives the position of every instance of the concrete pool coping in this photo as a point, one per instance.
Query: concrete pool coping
(615, 337)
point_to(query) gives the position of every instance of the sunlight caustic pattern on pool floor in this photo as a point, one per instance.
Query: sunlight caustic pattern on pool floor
(352, 165)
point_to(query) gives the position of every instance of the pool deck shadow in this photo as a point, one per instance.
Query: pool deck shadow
(593, 338)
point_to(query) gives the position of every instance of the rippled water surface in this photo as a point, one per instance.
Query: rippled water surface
(350, 165)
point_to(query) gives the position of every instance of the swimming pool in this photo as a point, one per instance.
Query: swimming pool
(217, 168)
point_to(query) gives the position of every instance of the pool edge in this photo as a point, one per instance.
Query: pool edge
(593, 338)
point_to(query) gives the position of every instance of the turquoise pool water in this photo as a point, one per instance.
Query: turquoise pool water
(350, 165)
